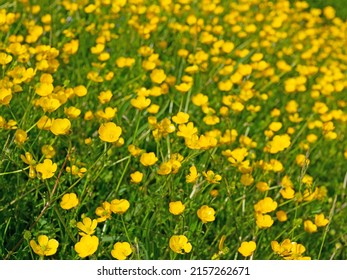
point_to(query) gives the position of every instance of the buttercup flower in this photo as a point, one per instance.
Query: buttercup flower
(309, 226)
(87, 226)
(140, 102)
(179, 244)
(46, 169)
(121, 250)
(104, 212)
(247, 248)
(87, 246)
(320, 220)
(148, 159)
(193, 175)
(136, 177)
(109, 132)
(206, 214)
(119, 206)
(60, 127)
(45, 246)
(176, 207)
(69, 201)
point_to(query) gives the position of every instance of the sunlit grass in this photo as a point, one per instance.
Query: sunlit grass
(172, 130)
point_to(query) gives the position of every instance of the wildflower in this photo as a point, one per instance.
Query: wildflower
(187, 130)
(309, 226)
(278, 143)
(262, 186)
(264, 221)
(46, 169)
(200, 99)
(320, 220)
(48, 151)
(148, 159)
(136, 177)
(246, 179)
(247, 248)
(140, 102)
(206, 214)
(87, 246)
(119, 206)
(69, 201)
(289, 250)
(121, 250)
(176, 207)
(193, 175)
(20, 136)
(265, 205)
(211, 177)
(180, 118)
(87, 226)
(60, 126)
(158, 76)
(134, 151)
(281, 216)
(109, 132)
(44, 123)
(80, 91)
(104, 212)
(5, 96)
(72, 112)
(179, 244)
(45, 246)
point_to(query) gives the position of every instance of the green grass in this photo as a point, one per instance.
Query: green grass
(266, 94)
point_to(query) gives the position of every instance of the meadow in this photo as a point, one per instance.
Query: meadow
(151, 130)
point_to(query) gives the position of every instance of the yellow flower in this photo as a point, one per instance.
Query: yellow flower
(264, 221)
(136, 177)
(45, 246)
(320, 220)
(193, 175)
(309, 226)
(46, 169)
(278, 143)
(262, 186)
(87, 246)
(281, 216)
(69, 201)
(200, 99)
(5, 96)
(134, 151)
(87, 226)
(140, 102)
(109, 132)
(148, 159)
(104, 212)
(5, 58)
(206, 214)
(80, 90)
(211, 177)
(48, 151)
(121, 250)
(246, 179)
(44, 123)
(247, 248)
(60, 126)
(72, 112)
(187, 130)
(20, 136)
(180, 118)
(176, 207)
(179, 244)
(265, 205)
(119, 206)
(158, 76)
